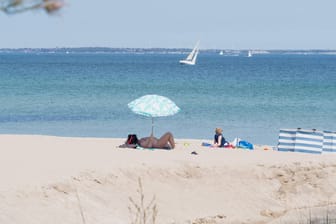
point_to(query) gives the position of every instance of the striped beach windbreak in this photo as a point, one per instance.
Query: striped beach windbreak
(329, 142)
(287, 140)
(307, 141)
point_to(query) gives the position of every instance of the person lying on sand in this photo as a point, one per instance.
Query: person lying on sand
(166, 141)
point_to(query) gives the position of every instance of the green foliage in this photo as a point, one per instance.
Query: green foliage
(18, 6)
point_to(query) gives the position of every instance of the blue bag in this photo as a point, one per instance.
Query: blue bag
(245, 145)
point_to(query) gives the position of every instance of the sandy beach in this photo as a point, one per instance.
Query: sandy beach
(46, 179)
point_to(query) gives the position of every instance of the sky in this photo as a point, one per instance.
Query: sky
(218, 24)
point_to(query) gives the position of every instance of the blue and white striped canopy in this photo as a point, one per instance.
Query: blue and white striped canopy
(154, 106)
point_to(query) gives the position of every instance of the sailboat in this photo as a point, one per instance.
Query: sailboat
(249, 53)
(191, 59)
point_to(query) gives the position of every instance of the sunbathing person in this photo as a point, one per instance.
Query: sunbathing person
(166, 141)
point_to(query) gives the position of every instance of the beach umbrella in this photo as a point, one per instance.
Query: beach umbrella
(153, 106)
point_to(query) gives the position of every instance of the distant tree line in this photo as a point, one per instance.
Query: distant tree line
(18, 6)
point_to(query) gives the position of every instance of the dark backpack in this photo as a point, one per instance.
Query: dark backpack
(132, 139)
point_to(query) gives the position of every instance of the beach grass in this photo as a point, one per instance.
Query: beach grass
(142, 213)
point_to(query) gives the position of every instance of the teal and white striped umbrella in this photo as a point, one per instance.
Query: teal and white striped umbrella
(153, 106)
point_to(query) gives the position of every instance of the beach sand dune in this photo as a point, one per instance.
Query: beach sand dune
(46, 179)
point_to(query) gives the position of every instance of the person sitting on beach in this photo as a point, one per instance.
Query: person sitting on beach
(219, 140)
(166, 141)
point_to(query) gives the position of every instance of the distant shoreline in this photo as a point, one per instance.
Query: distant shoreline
(167, 50)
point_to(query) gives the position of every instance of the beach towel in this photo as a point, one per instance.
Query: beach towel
(152, 149)
(206, 144)
(227, 145)
(142, 148)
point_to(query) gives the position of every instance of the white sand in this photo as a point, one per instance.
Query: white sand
(48, 179)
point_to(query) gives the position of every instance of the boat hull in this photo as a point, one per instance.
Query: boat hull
(185, 62)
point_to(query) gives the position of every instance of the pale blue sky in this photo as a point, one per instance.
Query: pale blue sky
(220, 24)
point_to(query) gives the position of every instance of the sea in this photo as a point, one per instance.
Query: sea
(85, 94)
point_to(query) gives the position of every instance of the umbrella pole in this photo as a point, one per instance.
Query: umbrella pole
(152, 126)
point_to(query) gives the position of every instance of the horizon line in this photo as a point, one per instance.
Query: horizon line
(167, 48)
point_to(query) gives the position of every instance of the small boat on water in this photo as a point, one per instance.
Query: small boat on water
(191, 59)
(249, 54)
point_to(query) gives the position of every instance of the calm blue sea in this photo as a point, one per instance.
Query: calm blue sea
(86, 94)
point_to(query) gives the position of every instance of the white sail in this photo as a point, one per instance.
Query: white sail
(191, 55)
(191, 58)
